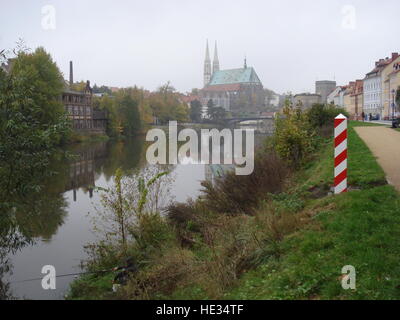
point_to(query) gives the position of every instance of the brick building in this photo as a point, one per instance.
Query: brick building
(79, 108)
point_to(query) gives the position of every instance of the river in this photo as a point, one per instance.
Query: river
(59, 221)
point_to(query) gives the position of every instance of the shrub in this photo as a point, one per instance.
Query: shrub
(151, 233)
(169, 271)
(321, 115)
(294, 136)
(235, 194)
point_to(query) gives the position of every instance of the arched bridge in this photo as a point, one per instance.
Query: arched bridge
(237, 120)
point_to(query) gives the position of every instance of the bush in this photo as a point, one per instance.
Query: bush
(235, 194)
(294, 136)
(321, 115)
(152, 234)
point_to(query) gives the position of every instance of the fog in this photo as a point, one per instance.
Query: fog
(147, 43)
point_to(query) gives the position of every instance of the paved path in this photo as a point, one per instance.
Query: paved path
(385, 145)
(386, 122)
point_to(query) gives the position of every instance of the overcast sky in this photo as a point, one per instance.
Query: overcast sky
(147, 43)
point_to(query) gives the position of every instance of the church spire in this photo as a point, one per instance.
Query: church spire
(207, 53)
(207, 67)
(216, 61)
(245, 62)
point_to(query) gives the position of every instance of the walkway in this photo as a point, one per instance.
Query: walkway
(385, 145)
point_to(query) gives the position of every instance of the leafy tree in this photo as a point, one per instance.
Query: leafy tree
(323, 115)
(210, 107)
(215, 113)
(195, 110)
(78, 86)
(102, 89)
(41, 74)
(294, 136)
(219, 113)
(128, 115)
(166, 105)
(32, 122)
(107, 104)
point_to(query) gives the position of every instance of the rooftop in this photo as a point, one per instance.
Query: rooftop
(234, 76)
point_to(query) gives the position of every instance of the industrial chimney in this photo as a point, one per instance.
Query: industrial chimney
(71, 74)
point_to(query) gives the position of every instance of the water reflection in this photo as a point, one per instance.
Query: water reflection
(37, 218)
(51, 226)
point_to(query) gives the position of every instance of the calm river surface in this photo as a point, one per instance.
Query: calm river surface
(60, 222)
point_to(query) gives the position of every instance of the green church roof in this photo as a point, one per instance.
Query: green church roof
(243, 75)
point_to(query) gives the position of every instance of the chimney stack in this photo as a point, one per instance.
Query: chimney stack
(71, 74)
(394, 55)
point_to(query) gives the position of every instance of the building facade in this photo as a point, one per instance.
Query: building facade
(338, 98)
(377, 88)
(306, 100)
(80, 111)
(353, 99)
(238, 91)
(389, 86)
(331, 97)
(324, 88)
(394, 84)
(373, 93)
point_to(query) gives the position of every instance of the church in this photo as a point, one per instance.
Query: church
(238, 91)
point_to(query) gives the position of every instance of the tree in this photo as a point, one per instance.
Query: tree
(195, 110)
(106, 103)
(398, 97)
(127, 111)
(294, 136)
(32, 122)
(219, 113)
(215, 113)
(102, 89)
(78, 86)
(320, 115)
(210, 108)
(166, 105)
(45, 82)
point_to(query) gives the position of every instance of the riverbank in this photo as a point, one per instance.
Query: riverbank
(359, 228)
(87, 137)
(290, 245)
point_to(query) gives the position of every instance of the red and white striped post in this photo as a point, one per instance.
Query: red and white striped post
(340, 154)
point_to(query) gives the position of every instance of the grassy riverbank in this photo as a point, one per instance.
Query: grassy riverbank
(359, 228)
(284, 238)
(87, 137)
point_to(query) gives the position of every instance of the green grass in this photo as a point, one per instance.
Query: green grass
(87, 137)
(91, 287)
(363, 170)
(360, 228)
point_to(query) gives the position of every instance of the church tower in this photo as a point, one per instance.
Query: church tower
(216, 61)
(207, 67)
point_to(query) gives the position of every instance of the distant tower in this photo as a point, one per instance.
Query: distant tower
(207, 67)
(216, 61)
(245, 62)
(71, 74)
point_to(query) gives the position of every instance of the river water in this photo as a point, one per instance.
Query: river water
(59, 221)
